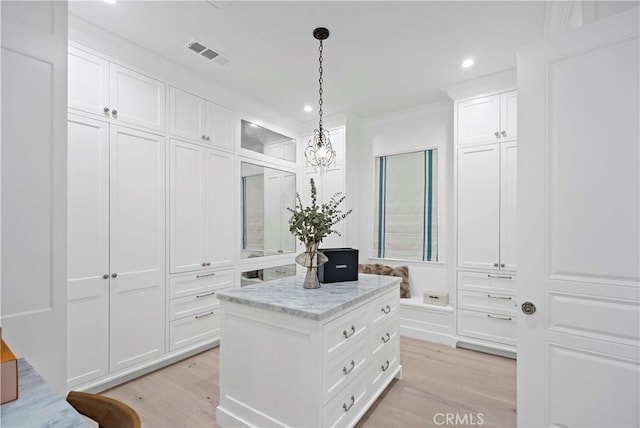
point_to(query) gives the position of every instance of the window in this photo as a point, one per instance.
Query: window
(406, 206)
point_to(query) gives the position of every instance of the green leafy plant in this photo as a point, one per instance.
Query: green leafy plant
(311, 224)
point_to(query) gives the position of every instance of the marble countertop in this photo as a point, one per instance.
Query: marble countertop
(287, 295)
(38, 405)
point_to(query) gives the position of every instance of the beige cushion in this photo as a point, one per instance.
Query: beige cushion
(401, 271)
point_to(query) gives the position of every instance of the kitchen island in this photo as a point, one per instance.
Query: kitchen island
(296, 357)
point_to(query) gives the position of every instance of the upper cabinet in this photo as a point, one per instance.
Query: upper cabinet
(490, 119)
(108, 90)
(199, 120)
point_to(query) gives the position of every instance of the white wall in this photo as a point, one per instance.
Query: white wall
(430, 126)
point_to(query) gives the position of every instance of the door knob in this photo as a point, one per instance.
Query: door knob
(114, 275)
(504, 133)
(497, 134)
(106, 110)
(528, 308)
(105, 276)
(114, 112)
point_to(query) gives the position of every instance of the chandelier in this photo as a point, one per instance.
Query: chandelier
(319, 151)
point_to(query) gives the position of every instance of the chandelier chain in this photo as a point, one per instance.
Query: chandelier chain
(320, 80)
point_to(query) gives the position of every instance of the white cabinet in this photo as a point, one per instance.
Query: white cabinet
(200, 221)
(281, 188)
(108, 90)
(116, 244)
(486, 197)
(487, 119)
(197, 119)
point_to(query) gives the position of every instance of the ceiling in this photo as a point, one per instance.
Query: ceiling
(381, 56)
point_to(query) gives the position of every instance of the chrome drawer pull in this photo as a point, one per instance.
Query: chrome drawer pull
(500, 318)
(499, 297)
(347, 335)
(386, 309)
(347, 408)
(500, 276)
(387, 339)
(347, 371)
(385, 367)
(205, 275)
(205, 295)
(204, 315)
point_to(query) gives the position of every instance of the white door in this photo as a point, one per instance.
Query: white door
(137, 187)
(34, 188)
(479, 207)
(187, 115)
(272, 213)
(578, 229)
(87, 249)
(88, 83)
(479, 121)
(508, 205)
(219, 227)
(220, 126)
(509, 116)
(187, 249)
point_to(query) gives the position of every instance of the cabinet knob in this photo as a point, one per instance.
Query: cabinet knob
(105, 276)
(208, 138)
(208, 263)
(106, 110)
(114, 112)
(504, 133)
(204, 264)
(528, 308)
(497, 134)
(502, 265)
(495, 265)
(114, 275)
(204, 137)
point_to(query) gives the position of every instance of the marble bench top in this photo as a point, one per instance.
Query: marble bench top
(287, 295)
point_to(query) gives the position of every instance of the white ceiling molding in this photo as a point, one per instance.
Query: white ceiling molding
(561, 16)
(500, 81)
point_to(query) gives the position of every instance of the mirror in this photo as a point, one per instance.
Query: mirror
(406, 206)
(262, 140)
(266, 274)
(266, 194)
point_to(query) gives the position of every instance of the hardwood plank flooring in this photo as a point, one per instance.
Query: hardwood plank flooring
(439, 382)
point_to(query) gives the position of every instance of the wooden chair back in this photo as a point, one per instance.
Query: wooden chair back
(106, 411)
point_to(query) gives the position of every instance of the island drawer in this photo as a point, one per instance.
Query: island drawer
(384, 364)
(193, 329)
(199, 283)
(487, 302)
(476, 281)
(193, 305)
(384, 307)
(383, 335)
(347, 404)
(344, 331)
(344, 367)
(488, 326)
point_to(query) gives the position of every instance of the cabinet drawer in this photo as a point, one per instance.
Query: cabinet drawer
(383, 335)
(344, 331)
(347, 404)
(343, 368)
(384, 307)
(384, 364)
(194, 329)
(193, 305)
(487, 326)
(487, 302)
(199, 283)
(476, 281)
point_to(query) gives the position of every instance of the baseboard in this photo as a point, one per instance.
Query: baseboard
(429, 336)
(486, 348)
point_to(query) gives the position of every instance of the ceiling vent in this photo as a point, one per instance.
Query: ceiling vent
(208, 53)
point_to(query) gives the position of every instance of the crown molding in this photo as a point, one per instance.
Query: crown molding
(502, 80)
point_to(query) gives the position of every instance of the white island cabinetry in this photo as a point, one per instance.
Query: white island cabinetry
(296, 357)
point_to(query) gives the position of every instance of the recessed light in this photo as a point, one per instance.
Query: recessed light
(467, 63)
(308, 109)
(111, 1)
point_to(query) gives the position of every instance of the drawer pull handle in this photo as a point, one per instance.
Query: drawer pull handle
(500, 276)
(346, 371)
(205, 295)
(386, 309)
(385, 367)
(500, 318)
(204, 315)
(347, 408)
(385, 340)
(347, 335)
(499, 297)
(205, 275)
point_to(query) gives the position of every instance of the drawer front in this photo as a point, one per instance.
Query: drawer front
(344, 367)
(384, 307)
(487, 302)
(347, 404)
(199, 283)
(194, 329)
(343, 332)
(383, 335)
(383, 365)
(487, 326)
(475, 281)
(194, 305)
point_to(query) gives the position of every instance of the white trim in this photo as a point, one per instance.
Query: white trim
(502, 81)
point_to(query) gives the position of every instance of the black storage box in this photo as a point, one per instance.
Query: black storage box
(342, 265)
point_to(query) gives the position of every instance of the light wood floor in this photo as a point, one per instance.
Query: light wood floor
(437, 380)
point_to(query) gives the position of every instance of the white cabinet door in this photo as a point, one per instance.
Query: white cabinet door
(187, 239)
(187, 115)
(479, 207)
(88, 82)
(509, 116)
(219, 227)
(508, 205)
(87, 250)
(136, 99)
(479, 121)
(137, 189)
(220, 126)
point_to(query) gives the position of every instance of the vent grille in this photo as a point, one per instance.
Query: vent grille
(207, 52)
